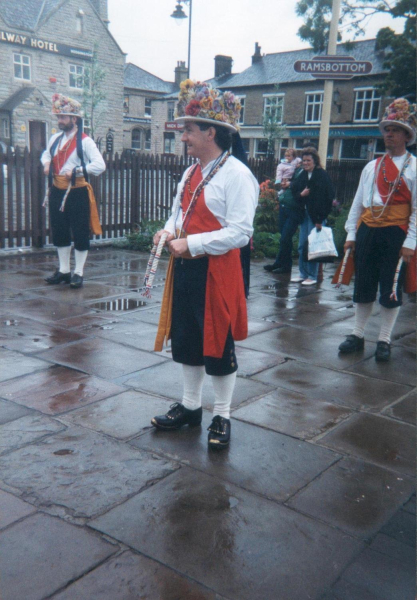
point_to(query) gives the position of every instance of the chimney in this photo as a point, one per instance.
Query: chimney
(222, 65)
(181, 72)
(102, 9)
(257, 56)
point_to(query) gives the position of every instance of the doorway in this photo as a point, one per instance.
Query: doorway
(37, 135)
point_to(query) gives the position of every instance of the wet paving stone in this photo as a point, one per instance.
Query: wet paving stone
(23, 279)
(354, 496)
(375, 576)
(147, 315)
(258, 326)
(13, 509)
(81, 471)
(409, 341)
(256, 559)
(402, 527)
(347, 389)
(343, 328)
(310, 346)
(14, 364)
(329, 298)
(57, 390)
(166, 380)
(124, 304)
(90, 291)
(291, 413)
(260, 307)
(28, 336)
(121, 416)
(26, 430)
(10, 411)
(41, 554)
(43, 309)
(252, 362)
(132, 577)
(261, 461)
(401, 367)
(313, 316)
(375, 439)
(89, 323)
(133, 333)
(405, 409)
(109, 360)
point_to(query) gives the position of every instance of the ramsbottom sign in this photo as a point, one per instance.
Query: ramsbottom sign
(333, 67)
(46, 45)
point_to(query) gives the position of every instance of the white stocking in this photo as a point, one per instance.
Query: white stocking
(388, 316)
(362, 314)
(193, 385)
(64, 253)
(223, 391)
(80, 258)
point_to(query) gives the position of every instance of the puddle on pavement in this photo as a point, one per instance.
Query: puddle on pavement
(119, 305)
(11, 323)
(64, 452)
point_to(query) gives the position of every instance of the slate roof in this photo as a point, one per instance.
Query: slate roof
(26, 14)
(278, 67)
(139, 79)
(17, 98)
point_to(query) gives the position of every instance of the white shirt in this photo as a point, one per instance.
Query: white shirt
(232, 197)
(95, 164)
(362, 198)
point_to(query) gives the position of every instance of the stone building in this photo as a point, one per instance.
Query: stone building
(46, 47)
(271, 83)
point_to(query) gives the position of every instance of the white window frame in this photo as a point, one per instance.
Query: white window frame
(6, 128)
(268, 104)
(241, 120)
(313, 103)
(77, 72)
(139, 141)
(19, 61)
(170, 110)
(87, 126)
(169, 136)
(148, 107)
(364, 101)
(148, 139)
(258, 154)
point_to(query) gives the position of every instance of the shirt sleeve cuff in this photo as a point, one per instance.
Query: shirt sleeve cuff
(409, 243)
(351, 236)
(195, 245)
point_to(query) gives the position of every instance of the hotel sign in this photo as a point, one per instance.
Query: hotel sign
(333, 67)
(18, 39)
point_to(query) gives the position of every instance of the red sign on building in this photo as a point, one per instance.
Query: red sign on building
(333, 67)
(173, 126)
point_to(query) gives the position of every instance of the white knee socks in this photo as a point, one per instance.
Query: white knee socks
(193, 384)
(362, 314)
(64, 253)
(388, 316)
(80, 258)
(223, 391)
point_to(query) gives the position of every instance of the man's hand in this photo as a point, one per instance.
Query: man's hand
(305, 192)
(178, 247)
(406, 254)
(348, 245)
(68, 175)
(158, 235)
(46, 168)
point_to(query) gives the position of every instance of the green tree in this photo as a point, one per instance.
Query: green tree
(400, 59)
(93, 92)
(273, 130)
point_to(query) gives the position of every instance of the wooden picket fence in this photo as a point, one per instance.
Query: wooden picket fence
(134, 188)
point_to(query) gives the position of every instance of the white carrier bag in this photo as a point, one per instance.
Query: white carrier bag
(321, 246)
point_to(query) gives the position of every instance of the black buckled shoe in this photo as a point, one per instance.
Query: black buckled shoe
(271, 267)
(76, 281)
(58, 277)
(177, 416)
(219, 432)
(383, 352)
(352, 343)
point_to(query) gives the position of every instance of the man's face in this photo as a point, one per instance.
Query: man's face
(395, 138)
(65, 122)
(195, 139)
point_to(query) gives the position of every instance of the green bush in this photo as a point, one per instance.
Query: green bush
(140, 239)
(265, 244)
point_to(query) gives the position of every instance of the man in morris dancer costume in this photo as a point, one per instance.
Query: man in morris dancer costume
(211, 219)
(385, 207)
(68, 160)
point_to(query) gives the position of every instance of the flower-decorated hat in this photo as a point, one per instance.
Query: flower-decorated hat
(198, 101)
(62, 105)
(403, 114)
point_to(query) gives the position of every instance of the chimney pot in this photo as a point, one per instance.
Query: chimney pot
(257, 56)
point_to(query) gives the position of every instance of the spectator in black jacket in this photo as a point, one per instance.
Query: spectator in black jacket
(314, 189)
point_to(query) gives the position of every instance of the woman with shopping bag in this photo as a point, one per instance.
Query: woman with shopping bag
(314, 190)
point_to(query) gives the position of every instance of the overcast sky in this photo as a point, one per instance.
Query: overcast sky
(155, 42)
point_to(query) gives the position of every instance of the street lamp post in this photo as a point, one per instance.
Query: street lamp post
(180, 14)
